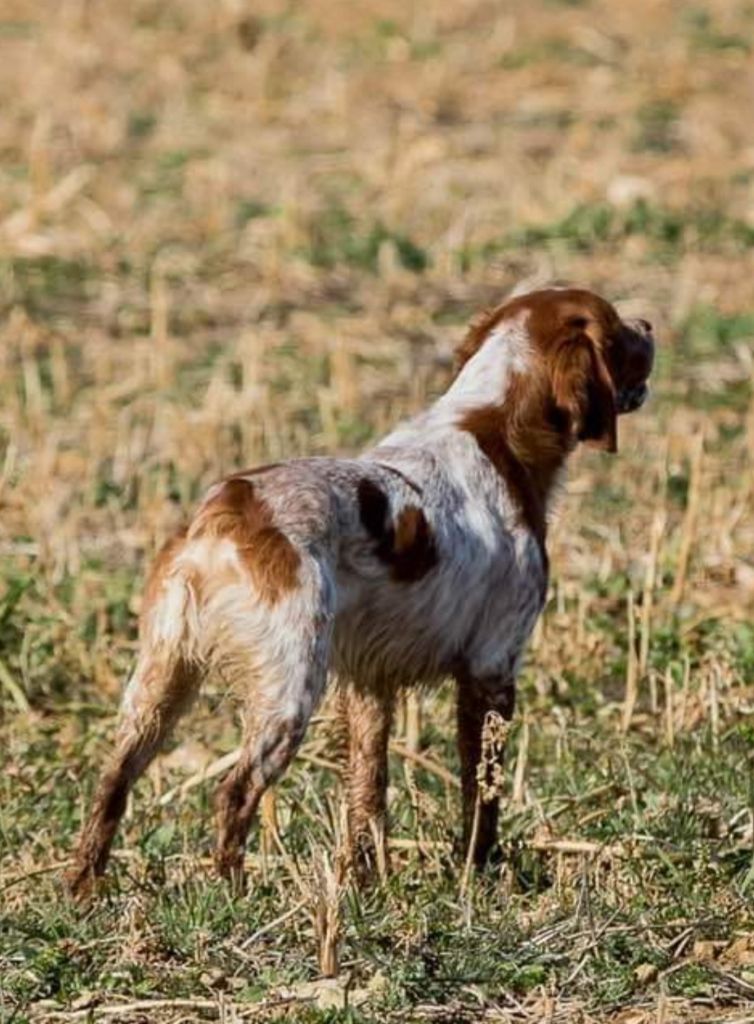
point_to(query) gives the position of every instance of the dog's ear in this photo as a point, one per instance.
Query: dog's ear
(583, 391)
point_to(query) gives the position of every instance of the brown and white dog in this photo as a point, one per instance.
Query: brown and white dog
(421, 559)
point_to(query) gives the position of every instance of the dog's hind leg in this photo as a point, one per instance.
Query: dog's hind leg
(285, 675)
(269, 744)
(366, 717)
(158, 694)
(164, 683)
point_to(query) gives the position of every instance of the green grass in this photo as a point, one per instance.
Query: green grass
(667, 232)
(45, 285)
(706, 36)
(667, 824)
(337, 240)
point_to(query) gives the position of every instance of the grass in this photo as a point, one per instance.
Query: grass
(335, 240)
(229, 238)
(663, 232)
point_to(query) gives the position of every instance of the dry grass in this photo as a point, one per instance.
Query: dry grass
(229, 235)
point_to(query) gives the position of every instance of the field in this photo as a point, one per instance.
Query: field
(230, 234)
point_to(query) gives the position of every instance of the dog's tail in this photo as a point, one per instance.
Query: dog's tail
(169, 646)
(170, 623)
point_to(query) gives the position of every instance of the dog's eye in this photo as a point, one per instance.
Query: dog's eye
(580, 322)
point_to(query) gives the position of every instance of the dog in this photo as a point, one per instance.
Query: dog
(424, 558)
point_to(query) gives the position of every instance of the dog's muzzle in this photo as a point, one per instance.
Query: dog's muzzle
(630, 399)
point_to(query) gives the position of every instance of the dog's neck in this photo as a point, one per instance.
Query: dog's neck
(486, 379)
(502, 397)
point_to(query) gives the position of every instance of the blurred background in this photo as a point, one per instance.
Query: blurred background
(231, 233)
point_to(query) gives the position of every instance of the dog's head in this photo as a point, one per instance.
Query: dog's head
(594, 366)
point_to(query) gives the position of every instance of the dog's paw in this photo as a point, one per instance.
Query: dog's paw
(79, 882)
(230, 867)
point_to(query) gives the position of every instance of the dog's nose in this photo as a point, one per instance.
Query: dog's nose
(641, 327)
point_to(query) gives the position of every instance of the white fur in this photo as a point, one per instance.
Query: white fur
(483, 381)
(485, 377)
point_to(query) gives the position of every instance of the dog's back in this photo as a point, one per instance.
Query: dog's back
(409, 553)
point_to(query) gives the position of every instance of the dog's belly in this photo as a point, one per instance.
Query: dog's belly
(378, 646)
(401, 636)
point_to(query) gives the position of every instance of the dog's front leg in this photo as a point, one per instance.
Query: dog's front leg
(481, 700)
(366, 717)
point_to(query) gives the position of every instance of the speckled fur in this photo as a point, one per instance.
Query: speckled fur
(404, 566)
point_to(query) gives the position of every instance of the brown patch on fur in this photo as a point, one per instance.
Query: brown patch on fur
(589, 353)
(549, 310)
(406, 545)
(414, 549)
(527, 440)
(582, 388)
(98, 833)
(365, 718)
(528, 491)
(581, 354)
(238, 514)
(577, 340)
(475, 698)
